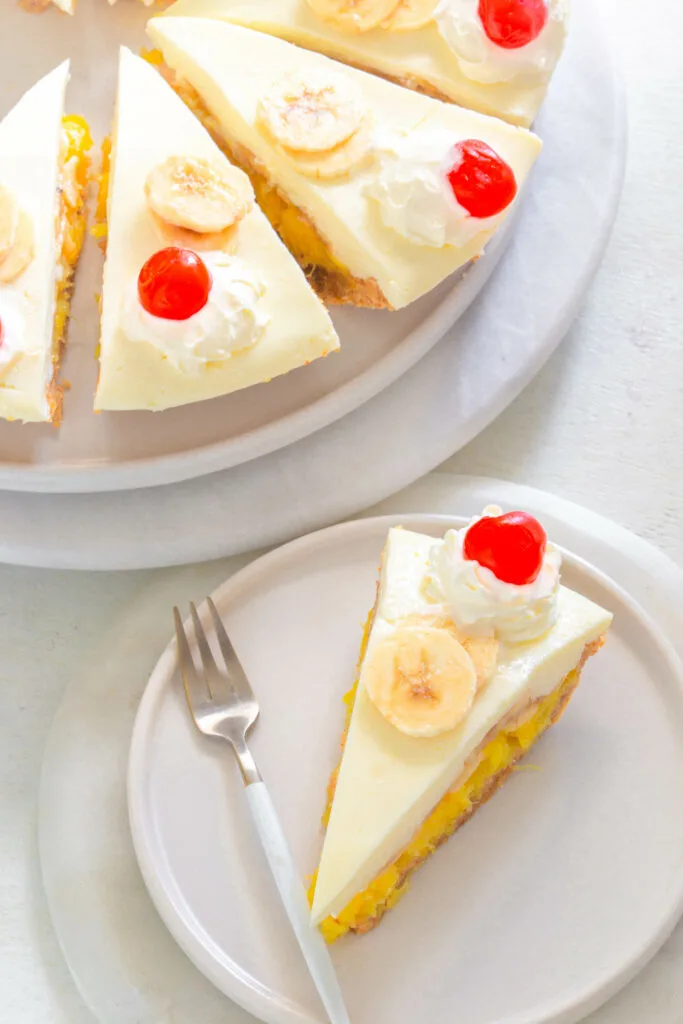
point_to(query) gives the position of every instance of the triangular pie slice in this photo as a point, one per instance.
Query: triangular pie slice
(43, 175)
(460, 673)
(379, 192)
(200, 296)
(495, 56)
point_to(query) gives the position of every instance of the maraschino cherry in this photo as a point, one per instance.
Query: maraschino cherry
(174, 284)
(481, 180)
(513, 23)
(511, 546)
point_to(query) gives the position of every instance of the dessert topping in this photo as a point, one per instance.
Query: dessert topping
(421, 679)
(482, 182)
(512, 546)
(513, 23)
(16, 237)
(499, 40)
(174, 284)
(498, 577)
(206, 196)
(436, 191)
(312, 113)
(411, 15)
(354, 15)
(230, 319)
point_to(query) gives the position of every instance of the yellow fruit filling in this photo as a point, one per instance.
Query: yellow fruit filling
(71, 226)
(494, 761)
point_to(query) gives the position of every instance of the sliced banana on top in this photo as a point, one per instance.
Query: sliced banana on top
(421, 679)
(411, 15)
(483, 651)
(312, 113)
(353, 154)
(22, 252)
(199, 195)
(354, 15)
(9, 220)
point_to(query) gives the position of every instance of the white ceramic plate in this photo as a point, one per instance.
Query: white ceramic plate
(124, 450)
(549, 901)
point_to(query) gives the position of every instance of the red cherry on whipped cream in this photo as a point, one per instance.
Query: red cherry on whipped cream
(174, 284)
(481, 180)
(511, 546)
(513, 23)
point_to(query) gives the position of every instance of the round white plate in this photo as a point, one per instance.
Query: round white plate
(123, 960)
(540, 909)
(571, 196)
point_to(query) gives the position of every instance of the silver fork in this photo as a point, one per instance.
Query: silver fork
(223, 705)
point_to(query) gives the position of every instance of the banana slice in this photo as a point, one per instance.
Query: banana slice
(200, 195)
(353, 154)
(421, 679)
(314, 112)
(212, 241)
(20, 255)
(9, 220)
(354, 15)
(411, 15)
(484, 654)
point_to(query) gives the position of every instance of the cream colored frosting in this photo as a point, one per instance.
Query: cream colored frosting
(413, 193)
(232, 320)
(484, 61)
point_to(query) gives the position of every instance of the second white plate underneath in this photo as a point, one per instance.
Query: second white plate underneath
(550, 899)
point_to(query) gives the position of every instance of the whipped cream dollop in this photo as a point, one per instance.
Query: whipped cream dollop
(233, 319)
(482, 60)
(413, 193)
(13, 311)
(482, 605)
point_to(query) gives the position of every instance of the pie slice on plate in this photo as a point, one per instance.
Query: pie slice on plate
(495, 56)
(200, 296)
(472, 650)
(43, 174)
(379, 192)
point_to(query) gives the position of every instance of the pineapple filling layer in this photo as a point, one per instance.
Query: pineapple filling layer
(497, 756)
(292, 225)
(71, 221)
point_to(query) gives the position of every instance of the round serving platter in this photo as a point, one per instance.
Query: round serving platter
(571, 199)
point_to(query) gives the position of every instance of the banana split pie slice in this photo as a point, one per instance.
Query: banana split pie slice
(472, 651)
(200, 296)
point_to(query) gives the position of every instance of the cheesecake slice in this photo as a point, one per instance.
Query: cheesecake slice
(379, 192)
(494, 56)
(43, 175)
(200, 296)
(461, 671)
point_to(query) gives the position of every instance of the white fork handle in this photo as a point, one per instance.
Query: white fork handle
(293, 896)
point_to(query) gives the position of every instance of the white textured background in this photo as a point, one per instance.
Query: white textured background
(602, 425)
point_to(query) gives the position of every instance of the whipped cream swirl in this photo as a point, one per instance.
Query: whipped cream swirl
(482, 605)
(13, 311)
(482, 60)
(414, 196)
(232, 320)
